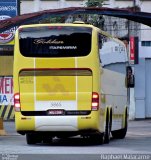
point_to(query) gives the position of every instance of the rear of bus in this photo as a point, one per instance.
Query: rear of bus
(56, 80)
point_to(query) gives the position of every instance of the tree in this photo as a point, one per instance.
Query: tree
(94, 3)
(96, 20)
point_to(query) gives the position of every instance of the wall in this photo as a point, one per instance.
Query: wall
(144, 52)
(6, 65)
(140, 89)
(48, 4)
(25, 7)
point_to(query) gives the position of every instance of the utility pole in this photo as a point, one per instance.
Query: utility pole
(132, 109)
(18, 7)
(134, 3)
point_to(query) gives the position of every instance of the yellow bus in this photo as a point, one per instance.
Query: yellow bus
(60, 87)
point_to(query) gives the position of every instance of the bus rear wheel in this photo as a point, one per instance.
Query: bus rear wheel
(32, 138)
(107, 129)
(120, 134)
(46, 139)
(97, 138)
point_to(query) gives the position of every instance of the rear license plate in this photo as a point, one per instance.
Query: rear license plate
(55, 112)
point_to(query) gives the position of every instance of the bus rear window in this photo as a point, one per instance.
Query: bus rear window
(55, 41)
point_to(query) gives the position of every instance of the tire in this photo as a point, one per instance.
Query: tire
(97, 139)
(107, 129)
(32, 138)
(46, 139)
(120, 134)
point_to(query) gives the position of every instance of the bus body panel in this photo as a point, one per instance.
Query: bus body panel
(113, 88)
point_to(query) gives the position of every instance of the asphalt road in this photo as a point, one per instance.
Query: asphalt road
(137, 142)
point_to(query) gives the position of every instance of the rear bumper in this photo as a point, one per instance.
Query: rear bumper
(65, 113)
(57, 123)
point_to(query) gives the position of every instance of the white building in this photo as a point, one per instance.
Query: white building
(142, 101)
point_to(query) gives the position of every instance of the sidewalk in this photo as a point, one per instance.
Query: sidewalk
(9, 127)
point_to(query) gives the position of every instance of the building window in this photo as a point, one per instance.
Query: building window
(146, 43)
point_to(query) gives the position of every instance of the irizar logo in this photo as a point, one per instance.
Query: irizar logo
(8, 35)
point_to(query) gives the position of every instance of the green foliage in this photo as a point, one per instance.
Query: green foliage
(53, 19)
(96, 20)
(94, 3)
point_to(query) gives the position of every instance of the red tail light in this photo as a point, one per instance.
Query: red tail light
(95, 101)
(17, 102)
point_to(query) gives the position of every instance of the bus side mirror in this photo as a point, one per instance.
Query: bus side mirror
(130, 79)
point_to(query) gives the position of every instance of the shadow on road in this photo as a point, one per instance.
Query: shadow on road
(138, 139)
